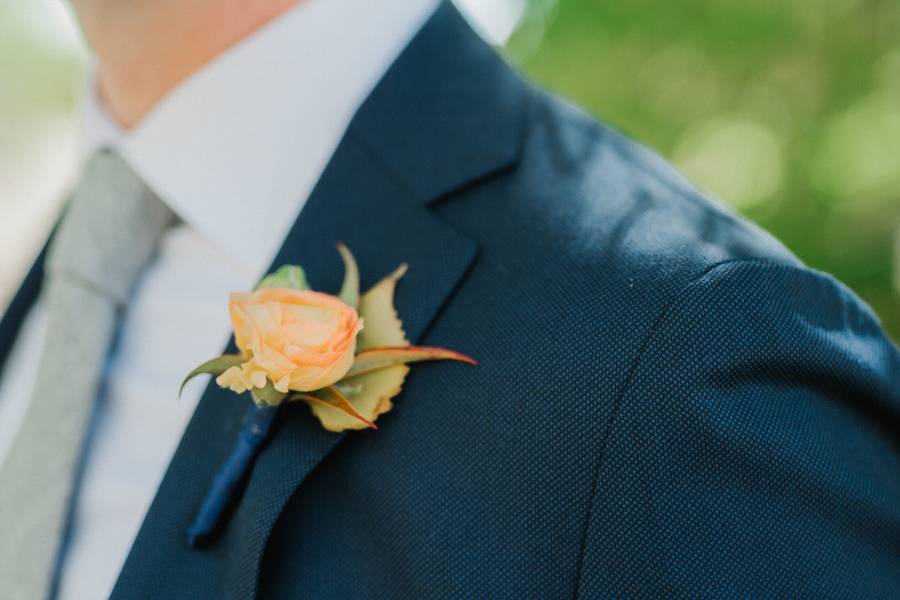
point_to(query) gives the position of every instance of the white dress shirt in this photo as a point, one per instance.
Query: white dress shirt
(235, 151)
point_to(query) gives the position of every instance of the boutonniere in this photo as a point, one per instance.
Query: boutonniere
(346, 356)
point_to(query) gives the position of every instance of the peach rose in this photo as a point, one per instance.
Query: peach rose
(299, 339)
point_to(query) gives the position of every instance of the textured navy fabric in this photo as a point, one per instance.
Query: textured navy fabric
(667, 403)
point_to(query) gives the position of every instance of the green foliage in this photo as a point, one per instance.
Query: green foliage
(290, 277)
(39, 71)
(788, 111)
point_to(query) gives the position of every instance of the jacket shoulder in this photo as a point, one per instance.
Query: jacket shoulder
(623, 203)
(765, 397)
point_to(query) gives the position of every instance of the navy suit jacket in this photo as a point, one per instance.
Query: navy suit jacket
(668, 403)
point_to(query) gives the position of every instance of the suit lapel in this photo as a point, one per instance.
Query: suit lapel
(391, 229)
(448, 112)
(19, 306)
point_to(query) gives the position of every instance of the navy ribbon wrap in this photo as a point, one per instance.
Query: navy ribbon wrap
(227, 484)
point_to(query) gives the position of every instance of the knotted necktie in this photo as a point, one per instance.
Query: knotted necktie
(109, 232)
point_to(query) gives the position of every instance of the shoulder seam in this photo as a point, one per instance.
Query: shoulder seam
(629, 379)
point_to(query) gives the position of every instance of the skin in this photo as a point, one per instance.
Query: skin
(145, 48)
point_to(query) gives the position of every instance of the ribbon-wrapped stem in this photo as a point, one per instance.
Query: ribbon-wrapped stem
(228, 482)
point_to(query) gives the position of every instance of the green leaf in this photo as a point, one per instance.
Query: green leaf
(376, 307)
(370, 395)
(381, 358)
(214, 367)
(337, 403)
(267, 396)
(289, 276)
(350, 288)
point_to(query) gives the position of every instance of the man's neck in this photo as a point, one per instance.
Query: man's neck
(144, 49)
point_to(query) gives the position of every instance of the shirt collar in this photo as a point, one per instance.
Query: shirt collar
(236, 149)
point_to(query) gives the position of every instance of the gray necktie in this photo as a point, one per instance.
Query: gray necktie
(109, 232)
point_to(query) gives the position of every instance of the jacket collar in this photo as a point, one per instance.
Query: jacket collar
(18, 308)
(448, 112)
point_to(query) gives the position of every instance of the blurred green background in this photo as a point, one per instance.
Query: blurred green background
(787, 111)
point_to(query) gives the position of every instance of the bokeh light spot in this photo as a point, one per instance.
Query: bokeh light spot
(737, 160)
(860, 153)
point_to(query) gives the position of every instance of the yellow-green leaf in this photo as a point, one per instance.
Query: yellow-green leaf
(214, 367)
(350, 288)
(369, 395)
(376, 307)
(335, 410)
(380, 358)
(288, 276)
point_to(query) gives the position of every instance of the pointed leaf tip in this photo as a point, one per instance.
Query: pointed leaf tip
(381, 358)
(349, 293)
(376, 307)
(215, 367)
